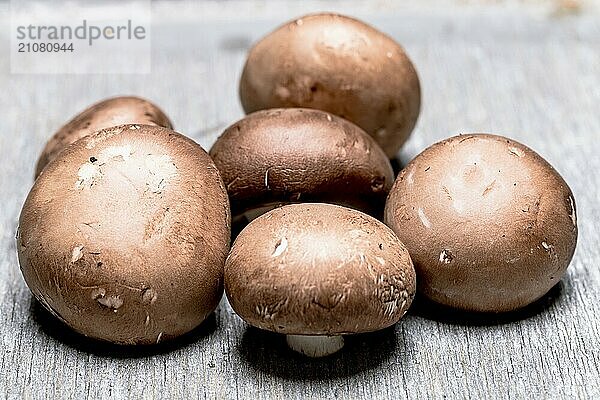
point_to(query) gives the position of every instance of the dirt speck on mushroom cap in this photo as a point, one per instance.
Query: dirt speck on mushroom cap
(340, 65)
(319, 269)
(489, 224)
(125, 234)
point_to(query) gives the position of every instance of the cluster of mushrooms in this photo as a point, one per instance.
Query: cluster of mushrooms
(125, 235)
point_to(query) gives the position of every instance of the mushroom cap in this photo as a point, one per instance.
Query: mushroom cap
(489, 224)
(105, 114)
(319, 269)
(125, 234)
(292, 155)
(340, 65)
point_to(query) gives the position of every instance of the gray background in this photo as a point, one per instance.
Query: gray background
(528, 70)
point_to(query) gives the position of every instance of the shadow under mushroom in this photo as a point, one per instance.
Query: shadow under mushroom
(398, 164)
(425, 308)
(57, 330)
(268, 352)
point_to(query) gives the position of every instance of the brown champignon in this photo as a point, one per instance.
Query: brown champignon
(318, 271)
(340, 65)
(292, 155)
(489, 224)
(105, 114)
(125, 234)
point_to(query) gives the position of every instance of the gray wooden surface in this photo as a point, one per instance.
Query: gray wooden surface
(526, 70)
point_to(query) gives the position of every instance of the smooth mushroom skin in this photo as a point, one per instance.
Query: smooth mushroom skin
(489, 224)
(340, 65)
(319, 269)
(301, 155)
(125, 234)
(105, 114)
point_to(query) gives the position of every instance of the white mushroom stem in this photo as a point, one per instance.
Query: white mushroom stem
(315, 346)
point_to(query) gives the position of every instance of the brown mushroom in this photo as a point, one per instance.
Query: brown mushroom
(105, 114)
(340, 65)
(291, 155)
(489, 224)
(318, 271)
(125, 234)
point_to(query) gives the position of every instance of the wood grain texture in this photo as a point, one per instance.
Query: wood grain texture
(528, 72)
